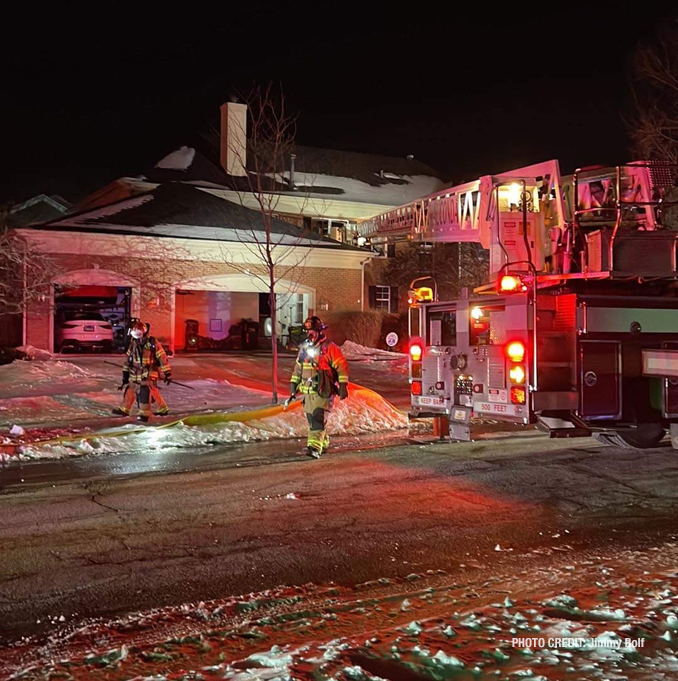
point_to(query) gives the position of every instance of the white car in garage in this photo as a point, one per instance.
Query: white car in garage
(84, 330)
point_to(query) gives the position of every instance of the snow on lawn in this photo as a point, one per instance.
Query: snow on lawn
(363, 412)
(20, 376)
(355, 351)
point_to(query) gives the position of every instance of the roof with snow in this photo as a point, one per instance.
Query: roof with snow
(342, 175)
(183, 211)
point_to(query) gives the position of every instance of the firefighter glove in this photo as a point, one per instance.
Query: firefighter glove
(168, 377)
(343, 391)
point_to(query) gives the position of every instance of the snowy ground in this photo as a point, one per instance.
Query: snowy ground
(65, 405)
(363, 412)
(596, 616)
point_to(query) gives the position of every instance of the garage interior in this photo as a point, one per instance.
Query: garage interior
(112, 303)
(232, 320)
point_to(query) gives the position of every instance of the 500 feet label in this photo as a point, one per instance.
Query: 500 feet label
(492, 408)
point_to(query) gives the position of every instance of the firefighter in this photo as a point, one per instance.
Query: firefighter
(320, 372)
(145, 358)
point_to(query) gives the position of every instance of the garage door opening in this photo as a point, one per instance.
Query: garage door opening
(218, 320)
(235, 320)
(91, 318)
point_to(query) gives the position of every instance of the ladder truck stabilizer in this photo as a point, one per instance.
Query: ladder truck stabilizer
(577, 327)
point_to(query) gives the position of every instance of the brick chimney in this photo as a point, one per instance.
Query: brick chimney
(233, 152)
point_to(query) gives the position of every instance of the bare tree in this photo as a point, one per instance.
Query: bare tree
(264, 160)
(653, 123)
(452, 265)
(25, 273)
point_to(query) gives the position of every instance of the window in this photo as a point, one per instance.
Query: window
(83, 316)
(384, 298)
(486, 324)
(442, 327)
(298, 311)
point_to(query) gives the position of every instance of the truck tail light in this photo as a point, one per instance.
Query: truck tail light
(515, 351)
(518, 395)
(517, 374)
(416, 387)
(415, 352)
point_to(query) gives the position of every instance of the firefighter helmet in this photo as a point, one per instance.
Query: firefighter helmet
(136, 323)
(314, 324)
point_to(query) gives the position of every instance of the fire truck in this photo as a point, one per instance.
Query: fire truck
(577, 329)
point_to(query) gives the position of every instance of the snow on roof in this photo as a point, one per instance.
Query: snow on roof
(182, 211)
(181, 159)
(112, 209)
(345, 175)
(397, 191)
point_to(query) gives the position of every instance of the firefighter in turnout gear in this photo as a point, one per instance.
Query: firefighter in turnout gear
(320, 373)
(145, 358)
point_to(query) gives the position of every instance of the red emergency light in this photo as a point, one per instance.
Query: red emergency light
(512, 283)
(416, 352)
(515, 351)
(416, 387)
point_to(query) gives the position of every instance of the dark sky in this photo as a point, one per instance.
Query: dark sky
(468, 90)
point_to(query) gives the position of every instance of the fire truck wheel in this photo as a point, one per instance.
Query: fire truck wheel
(645, 436)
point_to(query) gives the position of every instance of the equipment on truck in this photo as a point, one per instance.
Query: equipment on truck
(577, 328)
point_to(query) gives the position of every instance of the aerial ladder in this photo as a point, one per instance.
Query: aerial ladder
(577, 326)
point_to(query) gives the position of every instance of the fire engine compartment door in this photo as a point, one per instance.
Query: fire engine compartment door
(600, 379)
(664, 364)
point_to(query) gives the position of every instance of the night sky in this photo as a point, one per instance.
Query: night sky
(468, 91)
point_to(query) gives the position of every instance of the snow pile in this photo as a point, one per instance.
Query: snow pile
(34, 353)
(356, 351)
(363, 412)
(16, 377)
(180, 159)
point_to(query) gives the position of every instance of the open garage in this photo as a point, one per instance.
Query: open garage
(91, 318)
(233, 313)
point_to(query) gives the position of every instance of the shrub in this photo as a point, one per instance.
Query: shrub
(363, 328)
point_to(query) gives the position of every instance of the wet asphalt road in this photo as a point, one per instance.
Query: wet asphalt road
(256, 516)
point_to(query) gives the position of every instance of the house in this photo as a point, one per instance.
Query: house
(180, 244)
(37, 209)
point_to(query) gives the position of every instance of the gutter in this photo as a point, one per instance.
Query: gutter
(362, 283)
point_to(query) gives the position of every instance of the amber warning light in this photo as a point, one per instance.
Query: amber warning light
(512, 283)
(415, 352)
(419, 295)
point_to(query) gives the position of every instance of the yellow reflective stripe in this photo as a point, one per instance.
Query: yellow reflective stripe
(316, 442)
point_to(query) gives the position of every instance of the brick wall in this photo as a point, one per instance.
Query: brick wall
(336, 289)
